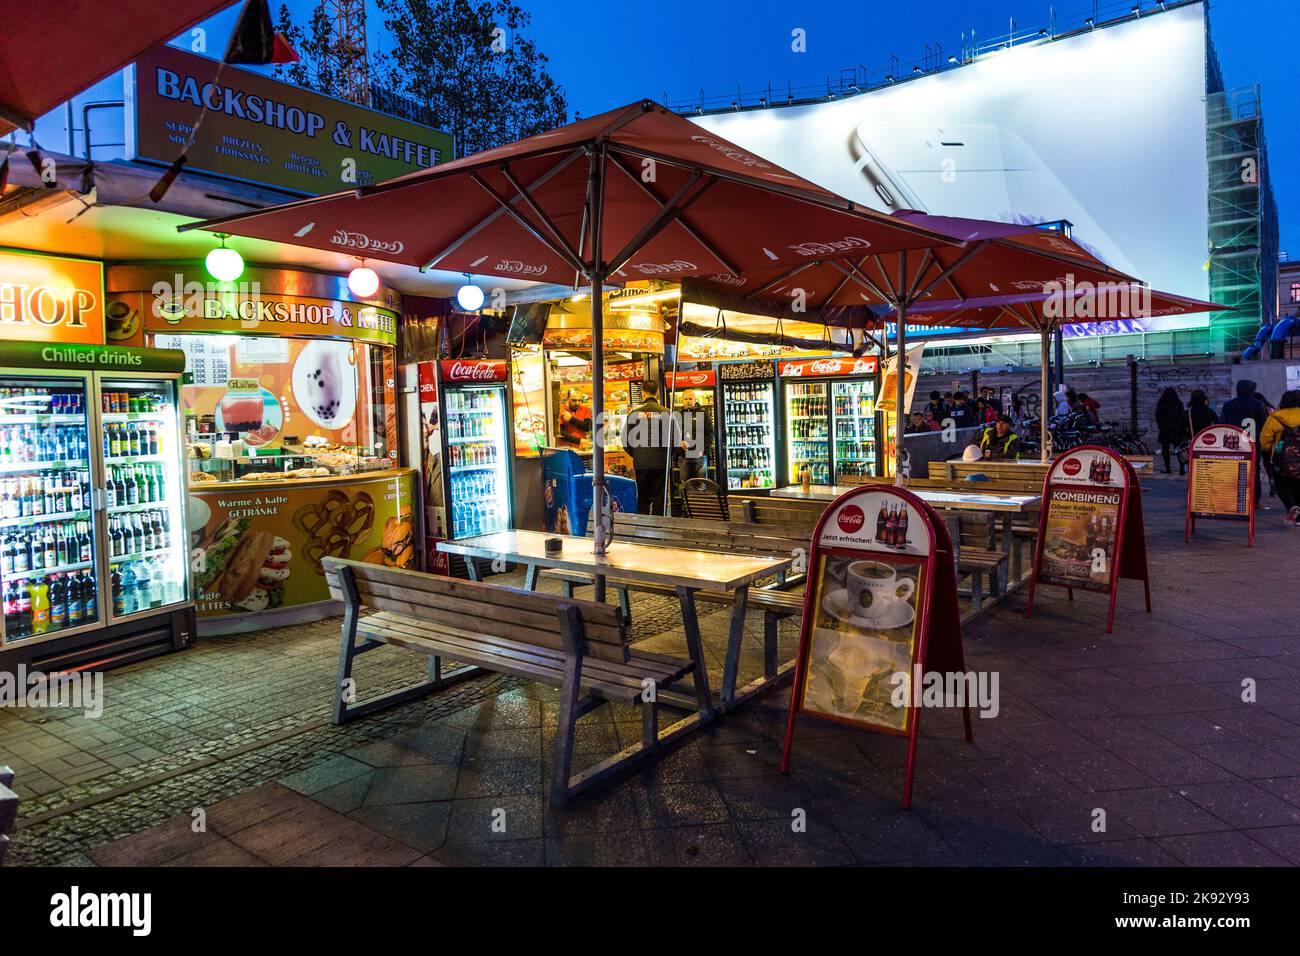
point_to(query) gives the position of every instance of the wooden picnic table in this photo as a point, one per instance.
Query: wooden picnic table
(686, 571)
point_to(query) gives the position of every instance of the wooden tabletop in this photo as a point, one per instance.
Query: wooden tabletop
(952, 500)
(675, 567)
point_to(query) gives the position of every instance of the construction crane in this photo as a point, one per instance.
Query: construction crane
(346, 57)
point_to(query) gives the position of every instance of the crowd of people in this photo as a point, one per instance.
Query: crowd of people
(1276, 429)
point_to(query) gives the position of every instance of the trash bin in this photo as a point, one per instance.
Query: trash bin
(567, 492)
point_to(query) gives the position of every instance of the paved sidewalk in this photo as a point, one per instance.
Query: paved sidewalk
(1129, 748)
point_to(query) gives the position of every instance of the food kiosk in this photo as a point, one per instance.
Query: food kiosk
(288, 408)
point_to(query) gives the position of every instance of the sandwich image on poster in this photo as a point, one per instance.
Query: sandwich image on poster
(245, 569)
(863, 635)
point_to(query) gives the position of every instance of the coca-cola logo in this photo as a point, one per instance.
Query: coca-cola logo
(726, 278)
(732, 153)
(359, 240)
(519, 267)
(830, 246)
(472, 371)
(1072, 466)
(1210, 439)
(851, 519)
(825, 367)
(664, 268)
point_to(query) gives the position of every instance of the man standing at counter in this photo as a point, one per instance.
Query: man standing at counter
(575, 420)
(650, 433)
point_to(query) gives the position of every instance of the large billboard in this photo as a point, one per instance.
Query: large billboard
(1105, 129)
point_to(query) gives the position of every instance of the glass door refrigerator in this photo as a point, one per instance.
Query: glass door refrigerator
(94, 553)
(477, 446)
(694, 398)
(830, 407)
(749, 424)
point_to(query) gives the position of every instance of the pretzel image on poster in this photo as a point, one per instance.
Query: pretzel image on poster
(333, 525)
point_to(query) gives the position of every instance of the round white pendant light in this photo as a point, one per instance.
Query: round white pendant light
(363, 281)
(224, 265)
(469, 297)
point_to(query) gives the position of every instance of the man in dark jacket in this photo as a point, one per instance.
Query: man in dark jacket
(650, 433)
(1247, 408)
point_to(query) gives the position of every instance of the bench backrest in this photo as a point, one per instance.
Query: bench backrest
(525, 617)
(999, 470)
(737, 537)
(765, 510)
(705, 499)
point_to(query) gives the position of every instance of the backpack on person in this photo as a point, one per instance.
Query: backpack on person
(1286, 453)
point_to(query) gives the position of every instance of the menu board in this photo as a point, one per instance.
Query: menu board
(1221, 477)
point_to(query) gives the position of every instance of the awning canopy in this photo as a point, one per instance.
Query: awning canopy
(674, 201)
(55, 49)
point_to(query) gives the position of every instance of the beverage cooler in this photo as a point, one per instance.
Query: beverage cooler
(830, 418)
(94, 554)
(477, 446)
(749, 424)
(695, 398)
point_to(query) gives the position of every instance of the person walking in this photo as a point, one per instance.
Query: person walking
(650, 434)
(1200, 413)
(1171, 421)
(1248, 412)
(1280, 441)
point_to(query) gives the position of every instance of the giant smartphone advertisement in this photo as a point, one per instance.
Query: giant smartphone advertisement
(1105, 129)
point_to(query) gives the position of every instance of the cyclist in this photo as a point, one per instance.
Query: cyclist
(999, 442)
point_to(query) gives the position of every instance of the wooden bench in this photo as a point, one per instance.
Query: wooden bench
(579, 647)
(8, 809)
(777, 601)
(761, 509)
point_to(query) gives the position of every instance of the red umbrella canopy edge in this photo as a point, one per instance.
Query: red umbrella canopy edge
(57, 48)
(675, 200)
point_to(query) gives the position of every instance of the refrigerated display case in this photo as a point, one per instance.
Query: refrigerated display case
(749, 424)
(694, 398)
(853, 423)
(830, 414)
(807, 431)
(478, 446)
(93, 542)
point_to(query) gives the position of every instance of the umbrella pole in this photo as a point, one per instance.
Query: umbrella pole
(901, 380)
(596, 193)
(1044, 436)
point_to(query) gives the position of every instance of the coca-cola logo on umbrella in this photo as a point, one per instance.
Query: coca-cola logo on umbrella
(1072, 466)
(847, 244)
(359, 240)
(851, 519)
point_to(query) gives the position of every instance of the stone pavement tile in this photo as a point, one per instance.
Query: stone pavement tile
(888, 835)
(422, 826)
(154, 847)
(1169, 765)
(220, 852)
(1062, 818)
(775, 843)
(1220, 849)
(1095, 770)
(599, 810)
(1022, 774)
(530, 853)
(289, 834)
(624, 848)
(486, 778)
(1190, 730)
(509, 710)
(496, 819)
(681, 804)
(680, 763)
(352, 844)
(250, 808)
(411, 784)
(710, 845)
(1122, 853)
(1158, 811)
(424, 861)
(498, 743)
(756, 759)
(346, 796)
(1116, 732)
(764, 798)
(1254, 723)
(1247, 759)
(1242, 805)
(1046, 737)
(1288, 788)
(1284, 841)
(323, 775)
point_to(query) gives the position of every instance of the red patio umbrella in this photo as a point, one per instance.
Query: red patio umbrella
(1083, 304)
(994, 259)
(55, 49)
(634, 193)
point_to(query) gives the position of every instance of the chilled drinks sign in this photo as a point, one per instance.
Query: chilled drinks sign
(51, 299)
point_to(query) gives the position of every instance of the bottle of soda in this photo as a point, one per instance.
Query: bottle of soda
(58, 603)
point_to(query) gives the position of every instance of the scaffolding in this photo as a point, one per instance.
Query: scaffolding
(347, 54)
(1243, 234)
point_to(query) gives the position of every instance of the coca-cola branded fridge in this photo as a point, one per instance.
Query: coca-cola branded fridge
(94, 554)
(477, 447)
(830, 418)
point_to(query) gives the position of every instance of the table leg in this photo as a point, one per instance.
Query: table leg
(471, 566)
(695, 648)
(1006, 549)
(735, 635)
(530, 578)
(953, 520)
(599, 581)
